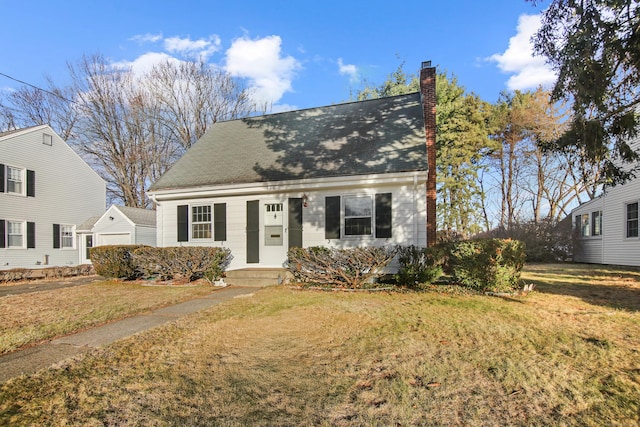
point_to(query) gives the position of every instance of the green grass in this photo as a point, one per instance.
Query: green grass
(559, 356)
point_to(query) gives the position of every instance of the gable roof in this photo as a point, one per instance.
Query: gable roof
(367, 137)
(27, 129)
(88, 224)
(138, 216)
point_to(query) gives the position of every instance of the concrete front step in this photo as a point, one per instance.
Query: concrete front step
(256, 277)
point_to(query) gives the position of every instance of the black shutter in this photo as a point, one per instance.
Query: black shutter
(183, 223)
(220, 222)
(253, 231)
(383, 215)
(295, 222)
(2, 234)
(332, 217)
(31, 235)
(31, 183)
(56, 236)
(1, 178)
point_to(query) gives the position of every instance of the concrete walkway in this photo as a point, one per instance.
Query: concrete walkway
(44, 355)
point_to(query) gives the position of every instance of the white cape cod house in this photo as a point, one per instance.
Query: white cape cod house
(343, 175)
(46, 191)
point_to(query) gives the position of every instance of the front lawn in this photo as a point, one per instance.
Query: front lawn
(29, 318)
(566, 354)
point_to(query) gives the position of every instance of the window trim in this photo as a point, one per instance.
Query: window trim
(596, 224)
(195, 223)
(636, 220)
(23, 180)
(371, 215)
(23, 227)
(72, 236)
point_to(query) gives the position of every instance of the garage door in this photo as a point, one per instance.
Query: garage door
(113, 239)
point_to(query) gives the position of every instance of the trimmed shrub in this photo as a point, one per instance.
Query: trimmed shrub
(488, 264)
(418, 265)
(115, 261)
(182, 262)
(351, 268)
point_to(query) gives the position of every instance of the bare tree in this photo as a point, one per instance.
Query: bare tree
(31, 106)
(119, 132)
(191, 96)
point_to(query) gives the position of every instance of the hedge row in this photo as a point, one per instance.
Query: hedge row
(186, 263)
(349, 268)
(485, 265)
(19, 274)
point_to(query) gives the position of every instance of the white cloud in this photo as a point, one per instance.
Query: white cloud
(261, 61)
(199, 49)
(147, 38)
(349, 70)
(528, 71)
(145, 63)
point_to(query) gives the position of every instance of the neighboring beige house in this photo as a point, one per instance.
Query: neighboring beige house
(46, 191)
(119, 225)
(343, 175)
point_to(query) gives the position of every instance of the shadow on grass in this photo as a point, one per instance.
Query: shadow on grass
(608, 286)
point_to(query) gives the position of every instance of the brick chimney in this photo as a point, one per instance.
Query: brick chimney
(428, 98)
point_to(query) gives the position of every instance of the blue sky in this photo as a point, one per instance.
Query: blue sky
(295, 54)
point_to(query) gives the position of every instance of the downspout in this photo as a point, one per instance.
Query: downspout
(159, 229)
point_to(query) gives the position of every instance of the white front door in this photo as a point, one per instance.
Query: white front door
(273, 241)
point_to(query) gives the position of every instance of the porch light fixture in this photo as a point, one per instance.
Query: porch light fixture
(305, 199)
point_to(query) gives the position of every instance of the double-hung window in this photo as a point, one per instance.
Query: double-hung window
(15, 180)
(358, 211)
(15, 234)
(632, 219)
(596, 223)
(201, 222)
(66, 236)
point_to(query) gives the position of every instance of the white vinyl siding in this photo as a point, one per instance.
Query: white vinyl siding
(68, 192)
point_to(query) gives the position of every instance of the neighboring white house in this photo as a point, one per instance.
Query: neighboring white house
(46, 191)
(607, 227)
(119, 225)
(343, 175)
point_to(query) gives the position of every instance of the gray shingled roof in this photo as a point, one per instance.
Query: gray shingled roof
(367, 137)
(88, 224)
(139, 216)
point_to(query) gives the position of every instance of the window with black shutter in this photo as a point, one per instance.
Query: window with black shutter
(2, 234)
(1, 178)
